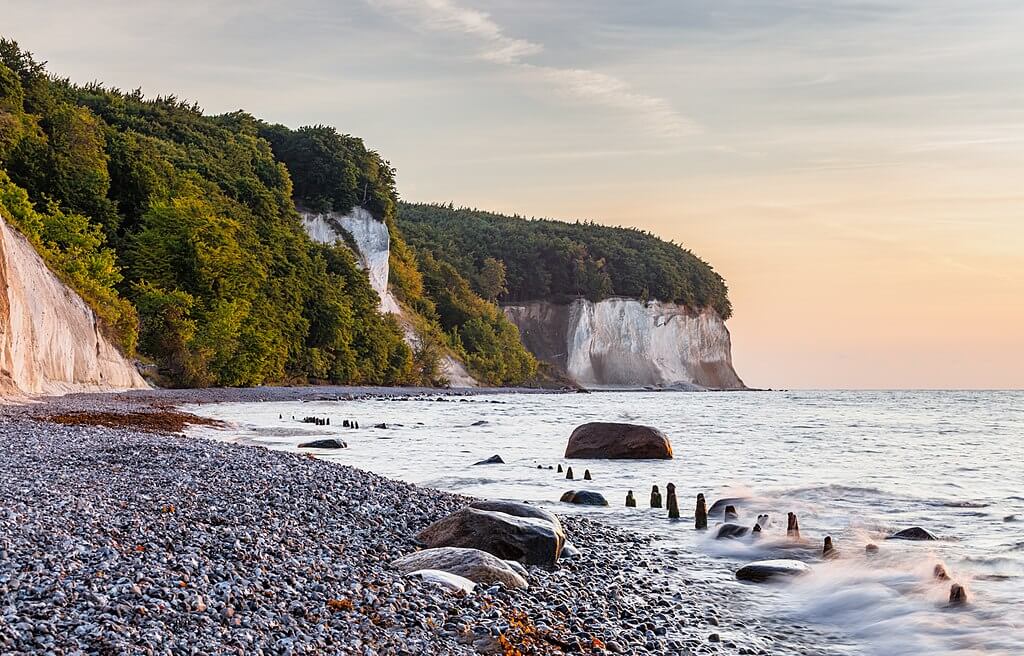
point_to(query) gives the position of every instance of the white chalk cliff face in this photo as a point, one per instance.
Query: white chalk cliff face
(373, 242)
(624, 343)
(50, 342)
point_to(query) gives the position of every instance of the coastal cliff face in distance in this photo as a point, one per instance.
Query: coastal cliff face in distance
(625, 343)
(50, 342)
(371, 242)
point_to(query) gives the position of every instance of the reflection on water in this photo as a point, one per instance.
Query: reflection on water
(853, 465)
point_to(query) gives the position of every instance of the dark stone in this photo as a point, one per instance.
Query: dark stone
(618, 441)
(528, 540)
(493, 460)
(701, 514)
(381, 425)
(915, 533)
(718, 507)
(330, 443)
(584, 498)
(765, 570)
(731, 531)
(870, 549)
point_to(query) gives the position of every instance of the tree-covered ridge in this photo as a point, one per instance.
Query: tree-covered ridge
(336, 172)
(516, 259)
(210, 254)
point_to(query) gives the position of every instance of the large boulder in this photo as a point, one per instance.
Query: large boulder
(618, 441)
(473, 564)
(584, 498)
(330, 443)
(526, 539)
(519, 509)
(765, 570)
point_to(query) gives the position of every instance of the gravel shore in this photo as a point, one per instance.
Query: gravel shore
(116, 540)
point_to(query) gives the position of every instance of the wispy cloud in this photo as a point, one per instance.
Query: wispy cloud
(657, 115)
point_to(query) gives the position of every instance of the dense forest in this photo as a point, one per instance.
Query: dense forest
(515, 259)
(180, 230)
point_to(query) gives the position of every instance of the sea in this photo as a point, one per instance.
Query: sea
(854, 465)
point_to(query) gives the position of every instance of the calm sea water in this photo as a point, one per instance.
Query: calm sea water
(853, 465)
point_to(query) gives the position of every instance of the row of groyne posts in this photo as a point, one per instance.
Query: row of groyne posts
(325, 421)
(957, 593)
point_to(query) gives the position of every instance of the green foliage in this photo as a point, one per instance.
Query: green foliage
(553, 260)
(228, 288)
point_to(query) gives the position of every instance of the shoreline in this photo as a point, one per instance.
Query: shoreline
(260, 538)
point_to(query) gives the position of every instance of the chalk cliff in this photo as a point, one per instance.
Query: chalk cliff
(625, 343)
(50, 342)
(373, 244)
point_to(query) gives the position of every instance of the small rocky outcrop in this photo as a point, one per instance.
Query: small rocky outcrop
(915, 533)
(450, 582)
(329, 443)
(528, 540)
(473, 564)
(765, 570)
(584, 498)
(493, 460)
(618, 441)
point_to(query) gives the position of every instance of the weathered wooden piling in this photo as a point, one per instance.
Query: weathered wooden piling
(792, 526)
(586, 475)
(655, 497)
(630, 500)
(828, 550)
(701, 514)
(568, 474)
(671, 502)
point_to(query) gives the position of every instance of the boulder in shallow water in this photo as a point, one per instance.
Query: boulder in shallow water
(450, 582)
(493, 460)
(324, 444)
(731, 531)
(528, 540)
(765, 570)
(618, 441)
(476, 565)
(584, 498)
(915, 533)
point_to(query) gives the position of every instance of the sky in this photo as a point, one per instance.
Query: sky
(854, 169)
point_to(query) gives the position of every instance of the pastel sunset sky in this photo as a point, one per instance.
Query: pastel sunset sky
(854, 169)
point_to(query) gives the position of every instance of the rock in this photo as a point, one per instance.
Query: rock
(718, 507)
(330, 443)
(630, 500)
(915, 533)
(731, 531)
(730, 514)
(570, 550)
(870, 549)
(526, 539)
(700, 514)
(764, 570)
(517, 509)
(473, 564)
(618, 441)
(584, 498)
(493, 460)
(957, 595)
(447, 580)
(380, 425)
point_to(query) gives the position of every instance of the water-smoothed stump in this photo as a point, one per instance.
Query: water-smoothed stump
(957, 595)
(700, 521)
(762, 521)
(559, 469)
(671, 502)
(280, 417)
(344, 423)
(870, 549)
(655, 497)
(793, 526)
(756, 531)
(568, 474)
(829, 549)
(586, 475)
(940, 572)
(630, 500)
(730, 514)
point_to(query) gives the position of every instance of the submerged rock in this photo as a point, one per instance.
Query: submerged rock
(915, 533)
(765, 570)
(493, 460)
(584, 498)
(731, 531)
(528, 540)
(330, 443)
(719, 506)
(618, 441)
(957, 595)
(473, 564)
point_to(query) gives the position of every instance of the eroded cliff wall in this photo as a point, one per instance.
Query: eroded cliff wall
(374, 249)
(625, 343)
(50, 342)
